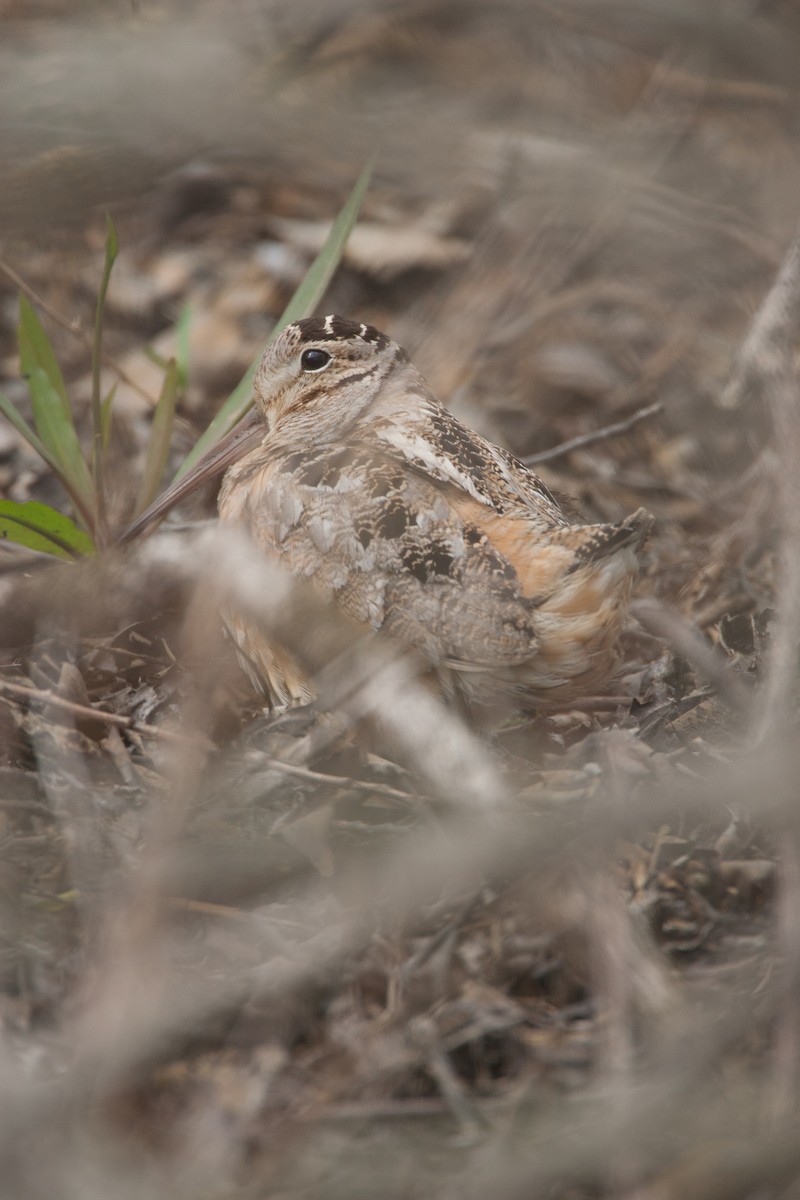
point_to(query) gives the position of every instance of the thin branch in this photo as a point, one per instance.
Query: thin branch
(205, 908)
(123, 722)
(86, 711)
(687, 640)
(786, 1047)
(594, 435)
(359, 785)
(764, 357)
(764, 371)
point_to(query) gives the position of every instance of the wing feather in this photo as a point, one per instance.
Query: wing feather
(435, 442)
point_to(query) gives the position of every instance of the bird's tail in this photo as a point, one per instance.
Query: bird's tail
(591, 543)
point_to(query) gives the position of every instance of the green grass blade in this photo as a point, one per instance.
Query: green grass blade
(57, 431)
(42, 528)
(302, 304)
(98, 445)
(160, 435)
(22, 427)
(105, 413)
(57, 441)
(35, 350)
(155, 358)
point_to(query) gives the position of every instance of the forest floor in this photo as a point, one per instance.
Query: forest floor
(251, 954)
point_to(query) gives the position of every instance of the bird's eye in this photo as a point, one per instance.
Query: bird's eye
(314, 360)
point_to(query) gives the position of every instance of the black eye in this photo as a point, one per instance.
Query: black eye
(314, 360)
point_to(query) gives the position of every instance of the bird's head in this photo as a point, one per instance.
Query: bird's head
(321, 374)
(316, 379)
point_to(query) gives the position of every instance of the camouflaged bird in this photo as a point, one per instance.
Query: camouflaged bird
(365, 485)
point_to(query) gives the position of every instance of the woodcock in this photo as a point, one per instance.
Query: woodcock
(365, 485)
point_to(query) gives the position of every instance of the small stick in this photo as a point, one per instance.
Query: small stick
(205, 908)
(594, 435)
(276, 764)
(786, 1050)
(686, 639)
(360, 785)
(764, 371)
(86, 710)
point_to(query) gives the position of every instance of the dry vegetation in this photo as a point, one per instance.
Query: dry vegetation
(363, 951)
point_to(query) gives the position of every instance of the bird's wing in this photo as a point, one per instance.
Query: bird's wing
(398, 548)
(397, 535)
(435, 442)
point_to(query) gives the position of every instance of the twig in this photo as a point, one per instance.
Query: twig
(589, 704)
(594, 435)
(205, 908)
(95, 714)
(422, 1033)
(786, 1052)
(764, 356)
(276, 764)
(74, 328)
(764, 370)
(358, 785)
(383, 1110)
(30, 807)
(687, 639)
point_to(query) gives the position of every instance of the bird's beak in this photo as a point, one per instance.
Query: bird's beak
(229, 449)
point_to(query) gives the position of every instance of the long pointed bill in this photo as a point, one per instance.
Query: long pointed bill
(243, 438)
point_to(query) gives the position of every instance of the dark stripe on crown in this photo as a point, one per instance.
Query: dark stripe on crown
(337, 329)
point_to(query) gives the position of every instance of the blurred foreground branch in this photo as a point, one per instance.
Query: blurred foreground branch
(765, 370)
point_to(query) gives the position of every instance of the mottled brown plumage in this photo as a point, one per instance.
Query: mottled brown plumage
(416, 526)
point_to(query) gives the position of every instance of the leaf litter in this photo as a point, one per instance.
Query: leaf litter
(277, 954)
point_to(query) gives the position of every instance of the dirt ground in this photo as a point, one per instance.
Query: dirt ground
(291, 954)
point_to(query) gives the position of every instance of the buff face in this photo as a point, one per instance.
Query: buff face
(314, 365)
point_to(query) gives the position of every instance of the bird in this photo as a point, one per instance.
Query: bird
(360, 482)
